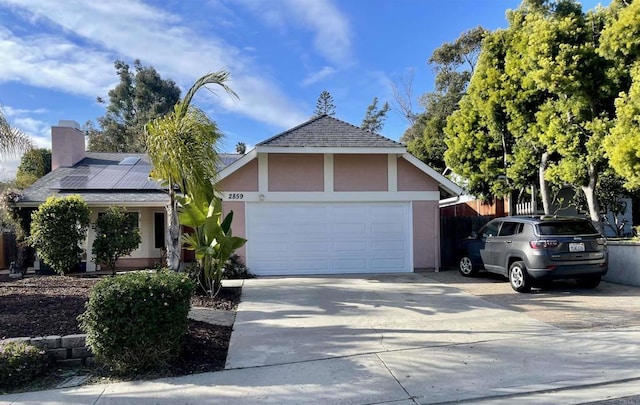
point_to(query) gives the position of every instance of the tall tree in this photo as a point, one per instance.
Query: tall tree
(374, 117)
(620, 43)
(13, 141)
(34, 164)
(324, 105)
(454, 64)
(139, 97)
(182, 147)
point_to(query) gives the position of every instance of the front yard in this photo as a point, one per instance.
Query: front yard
(49, 305)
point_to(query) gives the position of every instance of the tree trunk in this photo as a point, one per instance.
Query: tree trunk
(173, 236)
(544, 187)
(592, 202)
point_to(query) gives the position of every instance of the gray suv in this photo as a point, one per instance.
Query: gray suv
(529, 249)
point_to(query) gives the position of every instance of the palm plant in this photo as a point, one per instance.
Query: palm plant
(13, 142)
(182, 147)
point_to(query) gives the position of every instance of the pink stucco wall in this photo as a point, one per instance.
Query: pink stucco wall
(238, 226)
(244, 179)
(360, 173)
(426, 234)
(296, 172)
(410, 178)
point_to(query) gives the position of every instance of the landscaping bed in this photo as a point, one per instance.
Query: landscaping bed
(49, 305)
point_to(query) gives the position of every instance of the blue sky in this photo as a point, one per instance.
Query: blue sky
(57, 56)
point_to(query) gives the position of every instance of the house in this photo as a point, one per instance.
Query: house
(325, 197)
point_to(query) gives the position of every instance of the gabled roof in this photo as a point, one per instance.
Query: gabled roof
(328, 132)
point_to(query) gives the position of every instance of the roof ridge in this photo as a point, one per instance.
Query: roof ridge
(292, 129)
(330, 121)
(366, 130)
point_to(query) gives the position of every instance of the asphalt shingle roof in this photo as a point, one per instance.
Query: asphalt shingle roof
(326, 131)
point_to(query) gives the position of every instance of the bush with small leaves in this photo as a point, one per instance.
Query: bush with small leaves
(117, 235)
(137, 321)
(20, 363)
(57, 229)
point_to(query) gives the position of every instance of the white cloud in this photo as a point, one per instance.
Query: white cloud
(330, 28)
(318, 76)
(52, 62)
(130, 29)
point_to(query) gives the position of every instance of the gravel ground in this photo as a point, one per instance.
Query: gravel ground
(562, 303)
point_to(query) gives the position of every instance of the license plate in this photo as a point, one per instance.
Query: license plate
(576, 247)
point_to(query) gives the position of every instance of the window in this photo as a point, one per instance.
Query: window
(567, 228)
(510, 228)
(159, 232)
(491, 229)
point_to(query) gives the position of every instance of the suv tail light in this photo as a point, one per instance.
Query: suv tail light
(543, 243)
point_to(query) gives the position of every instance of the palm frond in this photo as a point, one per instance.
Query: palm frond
(13, 142)
(219, 78)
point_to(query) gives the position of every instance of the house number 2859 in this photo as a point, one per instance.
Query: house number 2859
(235, 196)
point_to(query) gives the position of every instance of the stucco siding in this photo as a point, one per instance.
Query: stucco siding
(426, 238)
(360, 172)
(296, 172)
(410, 178)
(244, 179)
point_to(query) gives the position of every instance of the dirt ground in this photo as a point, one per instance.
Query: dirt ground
(562, 303)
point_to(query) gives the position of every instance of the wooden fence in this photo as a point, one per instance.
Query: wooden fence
(454, 229)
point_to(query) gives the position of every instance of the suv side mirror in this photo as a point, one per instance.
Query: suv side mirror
(474, 235)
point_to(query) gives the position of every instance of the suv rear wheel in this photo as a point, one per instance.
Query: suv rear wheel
(466, 266)
(519, 278)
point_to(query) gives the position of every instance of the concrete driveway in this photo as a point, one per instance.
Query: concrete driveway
(408, 337)
(401, 339)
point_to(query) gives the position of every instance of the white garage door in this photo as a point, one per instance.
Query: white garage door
(328, 238)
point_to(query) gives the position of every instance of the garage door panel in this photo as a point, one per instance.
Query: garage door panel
(350, 246)
(328, 238)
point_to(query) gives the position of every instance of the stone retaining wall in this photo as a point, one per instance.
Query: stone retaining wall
(69, 350)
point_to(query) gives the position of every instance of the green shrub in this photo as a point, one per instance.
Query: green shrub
(20, 363)
(57, 229)
(117, 235)
(236, 269)
(137, 321)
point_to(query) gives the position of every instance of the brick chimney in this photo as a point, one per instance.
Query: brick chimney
(67, 144)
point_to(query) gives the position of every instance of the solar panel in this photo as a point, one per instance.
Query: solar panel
(131, 160)
(74, 182)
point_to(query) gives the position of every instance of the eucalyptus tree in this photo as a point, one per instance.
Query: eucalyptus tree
(453, 63)
(182, 147)
(140, 96)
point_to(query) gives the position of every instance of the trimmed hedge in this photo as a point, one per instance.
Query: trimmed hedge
(20, 363)
(137, 321)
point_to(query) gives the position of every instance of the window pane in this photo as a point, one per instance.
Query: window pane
(159, 223)
(508, 228)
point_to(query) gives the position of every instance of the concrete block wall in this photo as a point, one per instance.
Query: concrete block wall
(624, 263)
(70, 350)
